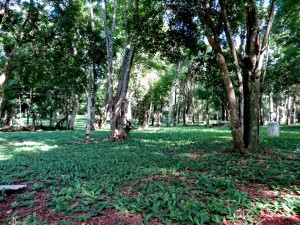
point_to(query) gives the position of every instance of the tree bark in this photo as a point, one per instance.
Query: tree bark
(33, 121)
(207, 114)
(176, 119)
(74, 113)
(172, 93)
(20, 122)
(116, 101)
(253, 61)
(117, 110)
(129, 106)
(103, 113)
(288, 110)
(271, 106)
(144, 117)
(212, 36)
(89, 110)
(294, 112)
(236, 63)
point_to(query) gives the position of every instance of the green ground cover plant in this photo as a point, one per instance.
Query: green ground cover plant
(183, 175)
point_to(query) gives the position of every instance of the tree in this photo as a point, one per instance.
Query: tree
(135, 15)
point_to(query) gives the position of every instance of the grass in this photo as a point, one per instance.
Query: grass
(171, 175)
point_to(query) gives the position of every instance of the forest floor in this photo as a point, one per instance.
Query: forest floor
(183, 175)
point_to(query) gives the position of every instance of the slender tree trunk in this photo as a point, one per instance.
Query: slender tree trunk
(92, 75)
(172, 93)
(89, 110)
(20, 123)
(51, 115)
(236, 64)
(74, 112)
(145, 117)
(33, 121)
(158, 118)
(207, 114)
(271, 107)
(103, 114)
(278, 113)
(212, 36)
(261, 112)
(116, 102)
(282, 112)
(129, 106)
(176, 118)
(294, 112)
(288, 110)
(223, 110)
(150, 111)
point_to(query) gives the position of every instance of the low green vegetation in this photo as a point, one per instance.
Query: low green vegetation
(184, 175)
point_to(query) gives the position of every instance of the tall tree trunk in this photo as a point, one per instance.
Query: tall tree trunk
(51, 116)
(207, 114)
(20, 122)
(282, 111)
(172, 93)
(144, 120)
(158, 116)
(253, 61)
(92, 76)
(294, 112)
(73, 113)
(129, 106)
(176, 118)
(212, 36)
(150, 112)
(117, 106)
(89, 110)
(33, 121)
(261, 111)
(288, 110)
(103, 114)
(116, 101)
(223, 112)
(271, 107)
(278, 112)
(236, 64)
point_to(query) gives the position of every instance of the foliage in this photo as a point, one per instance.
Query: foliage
(177, 175)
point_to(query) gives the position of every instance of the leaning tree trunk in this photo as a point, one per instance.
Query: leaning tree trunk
(116, 101)
(203, 9)
(236, 64)
(117, 131)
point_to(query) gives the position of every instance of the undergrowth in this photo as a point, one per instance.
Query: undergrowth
(174, 175)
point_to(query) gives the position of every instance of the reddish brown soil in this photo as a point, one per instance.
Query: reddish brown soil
(111, 217)
(267, 218)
